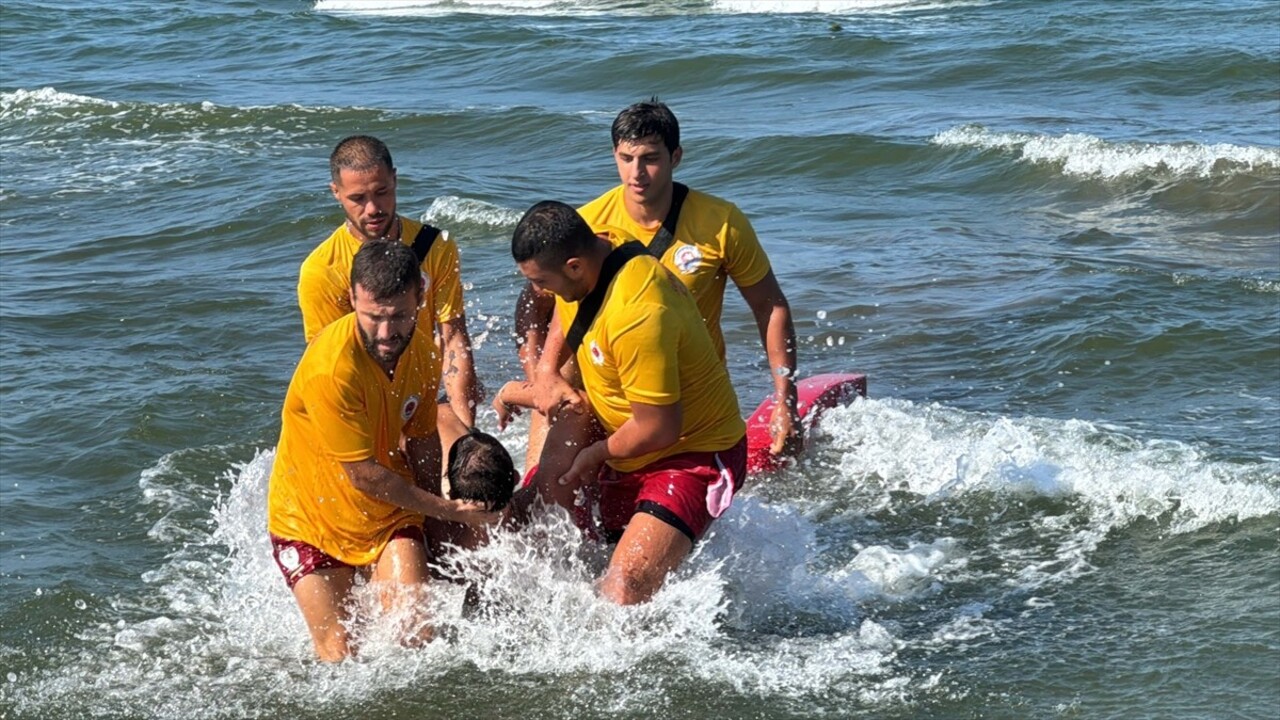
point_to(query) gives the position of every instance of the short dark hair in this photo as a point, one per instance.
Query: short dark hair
(551, 233)
(646, 119)
(480, 469)
(386, 269)
(359, 152)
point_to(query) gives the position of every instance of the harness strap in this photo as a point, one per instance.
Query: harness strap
(423, 241)
(589, 306)
(667, 233)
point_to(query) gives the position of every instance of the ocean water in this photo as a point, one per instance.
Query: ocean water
(1049, 232)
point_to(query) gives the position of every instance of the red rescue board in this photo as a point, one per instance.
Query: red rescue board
(814, 396)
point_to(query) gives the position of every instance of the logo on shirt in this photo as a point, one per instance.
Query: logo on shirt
(687, 258)
(410, 407)
(597, 355)
(426, 285)
(289, 559)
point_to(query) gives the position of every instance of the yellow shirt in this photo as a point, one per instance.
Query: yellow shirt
(713, 241)
(324, 283)
(648, 344)
(341, 407)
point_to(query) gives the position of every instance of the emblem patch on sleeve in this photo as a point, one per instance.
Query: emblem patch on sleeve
(410, 407)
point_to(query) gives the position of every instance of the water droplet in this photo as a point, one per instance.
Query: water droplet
(822, 314)
(81, 604)
(13, 677)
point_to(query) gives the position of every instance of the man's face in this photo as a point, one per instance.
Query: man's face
(386, 325)
(565, 281)
(645, 167)
(368, 199)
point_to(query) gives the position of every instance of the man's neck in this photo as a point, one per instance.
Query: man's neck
(599, 252)
(654, 213)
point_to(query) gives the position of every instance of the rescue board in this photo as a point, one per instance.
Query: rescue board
(814, 396)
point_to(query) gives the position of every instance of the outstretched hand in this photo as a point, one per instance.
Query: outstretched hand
(785, 430)
(472, 512)
(586, 466)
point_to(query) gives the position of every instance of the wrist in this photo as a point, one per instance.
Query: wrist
(601, 448)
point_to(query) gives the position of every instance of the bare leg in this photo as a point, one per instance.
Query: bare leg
(647, 552)
(322, 596)
(567, 435)
(401, 576)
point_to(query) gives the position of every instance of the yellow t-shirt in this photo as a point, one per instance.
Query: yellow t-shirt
(713, 241)
(324, 283)
(648, 344)
(341, 407)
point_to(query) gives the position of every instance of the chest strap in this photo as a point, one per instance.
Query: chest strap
(667, 233)
(423, 241)
(589, 306)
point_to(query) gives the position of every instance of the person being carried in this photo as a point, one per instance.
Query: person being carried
(703, 240)
(666, 418)
(344, 498)
(363, 181)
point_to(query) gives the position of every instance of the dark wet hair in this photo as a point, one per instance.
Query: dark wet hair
(646, 119)
(480, 469)
(359, 152)
(386, 269)
(551, 232)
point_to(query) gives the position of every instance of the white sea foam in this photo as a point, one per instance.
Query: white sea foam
(447, 210)
(1114, 479)
(1086, 155)
(29, 103)
(450, 7)
(217, 634)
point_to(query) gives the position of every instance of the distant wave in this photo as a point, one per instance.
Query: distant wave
(26, 103)
(449, 210)
(49, 102)
(837, 7)
(1086, 155)
(629, 7)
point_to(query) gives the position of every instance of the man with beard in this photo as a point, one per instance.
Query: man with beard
(364, 184)
(344, 498)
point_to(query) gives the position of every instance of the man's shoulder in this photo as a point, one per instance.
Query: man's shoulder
(330, 352)
(332, 251)
(700, 201)
(602, 206)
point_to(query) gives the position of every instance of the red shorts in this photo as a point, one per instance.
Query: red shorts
(297, 559)
(686, 491)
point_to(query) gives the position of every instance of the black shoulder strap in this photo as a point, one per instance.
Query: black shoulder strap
(423, 241)
(667, 233)
(589, 306)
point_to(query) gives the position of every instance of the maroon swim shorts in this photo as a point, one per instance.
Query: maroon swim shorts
(297, 559)
(686, 491)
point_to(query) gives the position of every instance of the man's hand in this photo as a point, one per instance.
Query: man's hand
(786, 430)
(552, 394)
(586, 465)
(470, 512)
(505, 408)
